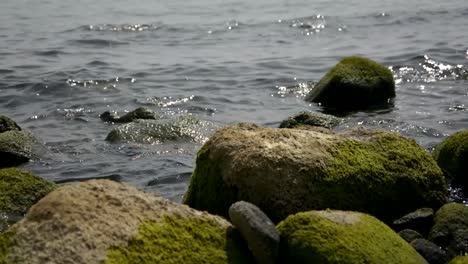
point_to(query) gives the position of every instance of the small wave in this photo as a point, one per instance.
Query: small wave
(109, 84)
(308, 25)
(49, 53)
(168, 101)
(98, 42)
(6, 71)
(122, 27)
(298, 90)
(97, 63)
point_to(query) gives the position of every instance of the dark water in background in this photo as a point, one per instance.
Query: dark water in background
(62, 63)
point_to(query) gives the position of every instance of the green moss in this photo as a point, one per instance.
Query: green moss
(19, 190)
(353, 83)
(6, 241)
(7, 124)
(387, 178)
(15, 148)
(459, 260)
(452, 154)
(178, 240)
(207, 190)
(349, 238)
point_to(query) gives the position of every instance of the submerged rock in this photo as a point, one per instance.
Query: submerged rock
(100, 221)
(452, 157)
(311, 119)
(157, 131)
(354, 83)
(341, 237)
(139, 113)
(450, 230)
(257, 229)
(19, 190)
(285, 171)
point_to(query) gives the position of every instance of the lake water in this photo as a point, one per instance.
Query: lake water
(63, 63)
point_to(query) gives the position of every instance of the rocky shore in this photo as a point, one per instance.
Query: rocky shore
(300, 193)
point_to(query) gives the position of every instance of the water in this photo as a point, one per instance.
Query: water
(62, 63)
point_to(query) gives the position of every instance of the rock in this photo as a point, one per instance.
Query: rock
(139, 113)
(409, 235)
(341, 237)
(459, 260)
(285, 171)
(157, 131)
(354, 83)
(6, 124)
(257, 229)
(19, 190)
(311, 119)
(452, 157)
(450, 230)
(101, 221)
(420, 220)
(430, 251)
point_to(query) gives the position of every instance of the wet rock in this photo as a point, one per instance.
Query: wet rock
(285, 171)
(311, 119)
(452, 157)
(341, 237)
(450, 230)
(409, 235)
(430, 251)
(7, 124)
(157, 131)
(139, 113)
(257, 229)
(101, 221)
(19, 190)
(354, 83)
(420, 220)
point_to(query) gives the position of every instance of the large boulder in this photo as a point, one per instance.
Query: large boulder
(16, 145)
(100, 221)
(285, 171)
(158, 131)
(452, 157)
(341, 237)
(19, 190)
(450, 230)
(354, 83)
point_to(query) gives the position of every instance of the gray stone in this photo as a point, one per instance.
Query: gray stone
(420, 220)
(409, 235)
(257, 229)
(430, 251)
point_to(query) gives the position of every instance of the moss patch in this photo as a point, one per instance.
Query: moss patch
(386, 178)
(333, 237)
(459, 260)
(6, 241)
(452, 154)
(207, 189)
(19, 190)
(178, 240)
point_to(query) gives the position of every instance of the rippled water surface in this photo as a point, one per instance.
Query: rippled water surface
(62, 63)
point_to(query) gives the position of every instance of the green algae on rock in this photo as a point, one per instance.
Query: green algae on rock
(157, 131)
(7, 124)
(6, 242)
(16, 147)
(139, 113)
(103, 221)
(19, 190)
(341, 237)
(310, 119)
(354, 83)
(450, 229)
(452, 157)
(459, 260)
(285, 171)
(178, 240)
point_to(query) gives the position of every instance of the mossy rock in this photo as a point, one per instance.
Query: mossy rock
(311, 119)
(285, 171)
(354, 83)
(341, 237)
(19, 190)
(452, 157)
(459, 260)
(16, 147)
(157, 131)
(101, 221)
(7, 124)
(450, 230)
(139, 113)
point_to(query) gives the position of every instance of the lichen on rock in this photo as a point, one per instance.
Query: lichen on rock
(341, 237)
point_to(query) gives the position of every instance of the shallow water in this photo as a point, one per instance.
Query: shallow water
(63, 63)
